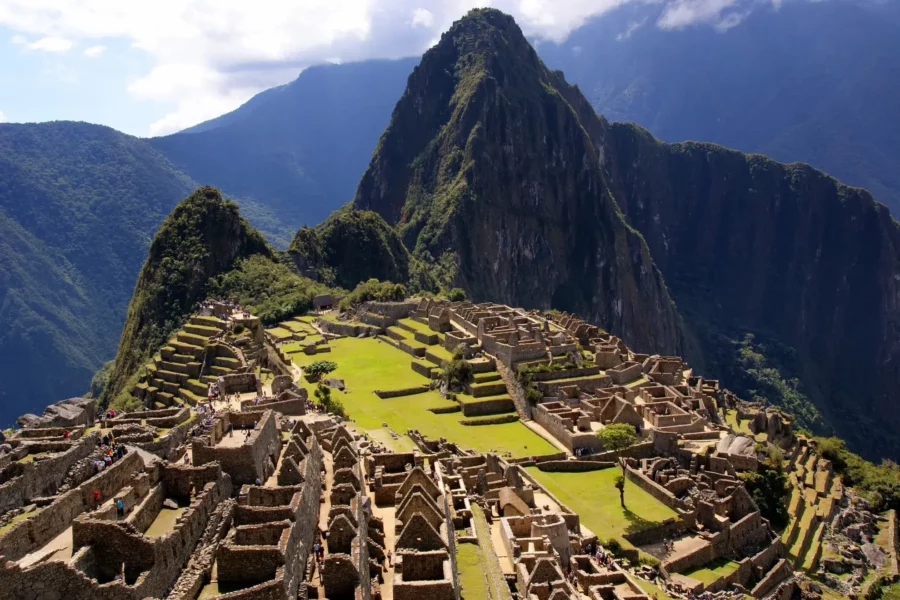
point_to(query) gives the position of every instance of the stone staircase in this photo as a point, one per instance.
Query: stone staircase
(178, 373)
(815, 495)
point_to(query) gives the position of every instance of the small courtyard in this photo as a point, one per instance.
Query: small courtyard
(593, 495)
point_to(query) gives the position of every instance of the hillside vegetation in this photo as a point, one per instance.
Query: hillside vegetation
(204, 237)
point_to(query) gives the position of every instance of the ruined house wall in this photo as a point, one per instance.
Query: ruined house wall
(110, 545)
(21, 482)
(638, 478)
(247, 462)
(29, 535)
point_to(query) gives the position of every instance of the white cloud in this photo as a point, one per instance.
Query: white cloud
(209, 56)
(19, 40)
(94, 51)
(422, 17)
(51, 43)
(2, 117)
(681, 13)
(632, 27)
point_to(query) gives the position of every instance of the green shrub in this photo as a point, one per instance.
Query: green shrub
(267, 289)
(533, 395)
(328, 402)
(457, 373)
(320, 367)
(880, 484)
(456, 295)
(769, 488)
(238, 329)
(380, 291)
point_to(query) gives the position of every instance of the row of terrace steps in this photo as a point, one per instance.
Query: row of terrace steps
(175, 375)
(810, 508)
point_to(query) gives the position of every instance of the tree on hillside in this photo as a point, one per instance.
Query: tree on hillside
(617, 437)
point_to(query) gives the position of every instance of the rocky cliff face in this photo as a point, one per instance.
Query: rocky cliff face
(748, 244)
(203, 237)
(487, 171)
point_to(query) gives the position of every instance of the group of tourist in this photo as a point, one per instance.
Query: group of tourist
(110, 452)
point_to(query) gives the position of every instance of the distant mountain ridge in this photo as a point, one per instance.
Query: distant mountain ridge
(812, 82)
(296, 150)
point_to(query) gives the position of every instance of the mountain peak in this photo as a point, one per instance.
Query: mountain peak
(483, 169)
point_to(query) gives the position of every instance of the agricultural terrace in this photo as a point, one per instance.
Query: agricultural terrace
(369, 364)
(712, 571)
(593, 495)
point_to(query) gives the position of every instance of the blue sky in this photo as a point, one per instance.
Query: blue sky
(152, 67)
(40, 86)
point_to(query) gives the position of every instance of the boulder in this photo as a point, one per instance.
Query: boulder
(335, 383)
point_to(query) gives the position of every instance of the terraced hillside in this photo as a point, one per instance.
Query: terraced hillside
(190, 361)
(815, 497)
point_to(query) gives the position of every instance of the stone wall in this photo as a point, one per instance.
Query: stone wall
(30, 534)
(489, 407)
(22, 482)
(654, 489)
(248, 461)
(574, 466)
(658, 532)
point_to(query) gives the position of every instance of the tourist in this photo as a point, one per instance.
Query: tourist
(390, 558)
(96, 496)
(120, 508)
(66, 434)
(230, 430)
(258, 482)
(187, 459)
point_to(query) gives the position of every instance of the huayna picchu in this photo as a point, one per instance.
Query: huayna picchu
(477, 381)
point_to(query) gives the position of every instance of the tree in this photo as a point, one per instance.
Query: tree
(456, 295)
(617, 437)
(620, 485)
(331, 405)
(318, 368)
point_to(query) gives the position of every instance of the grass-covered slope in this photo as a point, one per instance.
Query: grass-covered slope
(78, 206)
(203, 237)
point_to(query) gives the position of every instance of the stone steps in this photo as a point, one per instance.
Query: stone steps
(190, 338)
(189, 397)
(486, 377)
(191, 369)
(226, 362)
(202, 330)
(814, 552)
(171, 376)
(196, 387)
(207, 379)
(170, 387)
(166, 398)
(212, 322)
(188, 349)
(182, 358)
(481, 390)
(218, 371)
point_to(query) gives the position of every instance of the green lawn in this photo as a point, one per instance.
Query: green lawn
(369, 364)
(279, 333)
(420, 327)
(593, 495)
(471, 572)
(712, 571)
